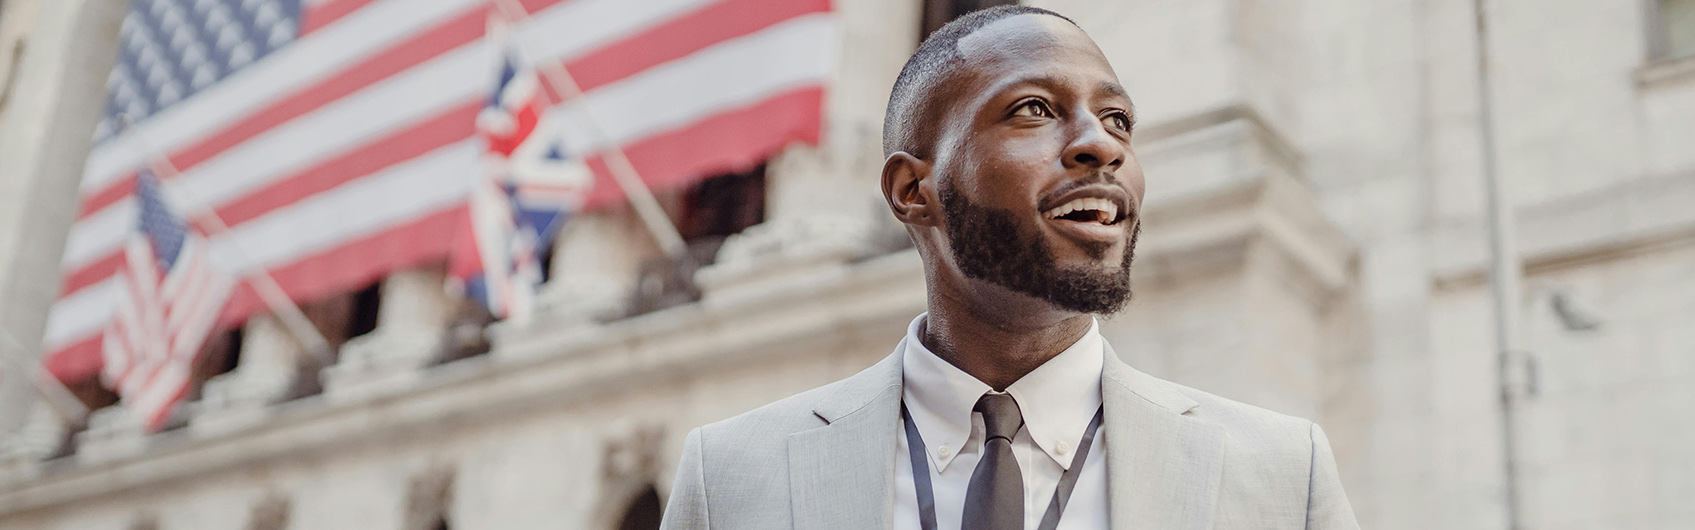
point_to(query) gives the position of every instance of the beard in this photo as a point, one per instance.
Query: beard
(989, 245)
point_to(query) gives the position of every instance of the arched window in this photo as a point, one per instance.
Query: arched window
(270, 512)
(429, 500)
(644, 511)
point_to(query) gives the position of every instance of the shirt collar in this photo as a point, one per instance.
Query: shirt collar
(1057, 399)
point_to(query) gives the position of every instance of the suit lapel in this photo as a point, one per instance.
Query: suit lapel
(841, 475)
(1163, 467)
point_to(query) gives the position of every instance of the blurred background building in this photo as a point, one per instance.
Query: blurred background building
(1314, 244)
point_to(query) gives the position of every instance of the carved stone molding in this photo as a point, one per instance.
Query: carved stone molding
(784, 248)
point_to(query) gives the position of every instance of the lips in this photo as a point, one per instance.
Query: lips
(1092, 215)
(1086, 209)
(1099, 204)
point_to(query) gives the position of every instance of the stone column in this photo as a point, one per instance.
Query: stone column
(825, 205)
(274, 367)
(411, 326)
(595, 260)
(46, 129)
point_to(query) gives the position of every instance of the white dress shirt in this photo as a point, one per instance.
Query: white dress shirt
(1057, 399)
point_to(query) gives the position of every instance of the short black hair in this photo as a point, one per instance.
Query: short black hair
(934, 62)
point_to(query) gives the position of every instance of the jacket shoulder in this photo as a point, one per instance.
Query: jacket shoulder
(1266, 436)
(768, 424)
(763, 432)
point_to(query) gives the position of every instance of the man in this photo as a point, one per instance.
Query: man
(1008, 159)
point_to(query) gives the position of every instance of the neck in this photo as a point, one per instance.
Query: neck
(997, 351)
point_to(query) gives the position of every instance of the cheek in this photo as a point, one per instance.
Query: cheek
(1009, 171)
(1133, 180)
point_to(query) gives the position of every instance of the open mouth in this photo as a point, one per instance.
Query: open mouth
(1088, 210)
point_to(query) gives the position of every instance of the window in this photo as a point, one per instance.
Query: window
(720, 207)
(1674, 23)
(366, 303)
(939, 12)
(345, 315)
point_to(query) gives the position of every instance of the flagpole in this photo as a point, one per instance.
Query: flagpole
(641, 198)
(263, 284)
(51, 388)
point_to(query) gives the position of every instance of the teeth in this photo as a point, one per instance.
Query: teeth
(1105, 211)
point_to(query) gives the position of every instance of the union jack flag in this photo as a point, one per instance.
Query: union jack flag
(529, 187)
(171, 300)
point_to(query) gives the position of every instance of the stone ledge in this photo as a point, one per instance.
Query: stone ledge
(1634, 216)
(1666, 72)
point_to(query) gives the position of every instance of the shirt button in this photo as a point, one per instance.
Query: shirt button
(943, 451)
(1062, 448)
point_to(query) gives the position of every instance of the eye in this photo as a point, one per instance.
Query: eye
(1034, 108)
(1119, 120)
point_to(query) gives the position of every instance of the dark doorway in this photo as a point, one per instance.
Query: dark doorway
(643, 513)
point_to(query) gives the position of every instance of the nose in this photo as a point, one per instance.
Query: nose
(1093, 147)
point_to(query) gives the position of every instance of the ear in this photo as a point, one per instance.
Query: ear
(910, 191)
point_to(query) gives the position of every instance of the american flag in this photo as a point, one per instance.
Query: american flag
(337, 138)
(530, 187)
(171, 298)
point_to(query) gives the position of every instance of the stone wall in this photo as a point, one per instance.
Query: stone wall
(1313, 245)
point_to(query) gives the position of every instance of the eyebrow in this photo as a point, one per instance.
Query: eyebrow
(1116, 90)
(1051, 83)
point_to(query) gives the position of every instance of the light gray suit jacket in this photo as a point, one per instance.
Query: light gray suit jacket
(1177, 458)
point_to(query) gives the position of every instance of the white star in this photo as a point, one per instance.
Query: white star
(281, 34)
(241, 55)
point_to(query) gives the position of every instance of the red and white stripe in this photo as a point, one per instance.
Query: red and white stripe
(349, 153)
(160, 323)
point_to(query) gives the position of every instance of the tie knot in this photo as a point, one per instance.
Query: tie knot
(1001, 418)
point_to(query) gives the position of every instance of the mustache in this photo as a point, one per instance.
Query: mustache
(1051, 199)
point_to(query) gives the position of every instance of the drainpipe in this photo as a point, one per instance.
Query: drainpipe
(1505, 269)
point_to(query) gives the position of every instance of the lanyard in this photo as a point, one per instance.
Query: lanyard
(927, 499)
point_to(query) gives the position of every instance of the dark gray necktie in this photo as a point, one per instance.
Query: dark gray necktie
(995, 498)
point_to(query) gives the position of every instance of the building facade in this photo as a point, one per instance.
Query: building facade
(1314, 245)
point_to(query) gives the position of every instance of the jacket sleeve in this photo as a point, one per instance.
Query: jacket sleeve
(686, 509)
(1327, 504)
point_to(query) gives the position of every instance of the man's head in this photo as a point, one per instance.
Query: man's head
(1008, 158)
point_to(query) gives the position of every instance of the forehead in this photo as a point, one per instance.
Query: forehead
(1033, 45)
